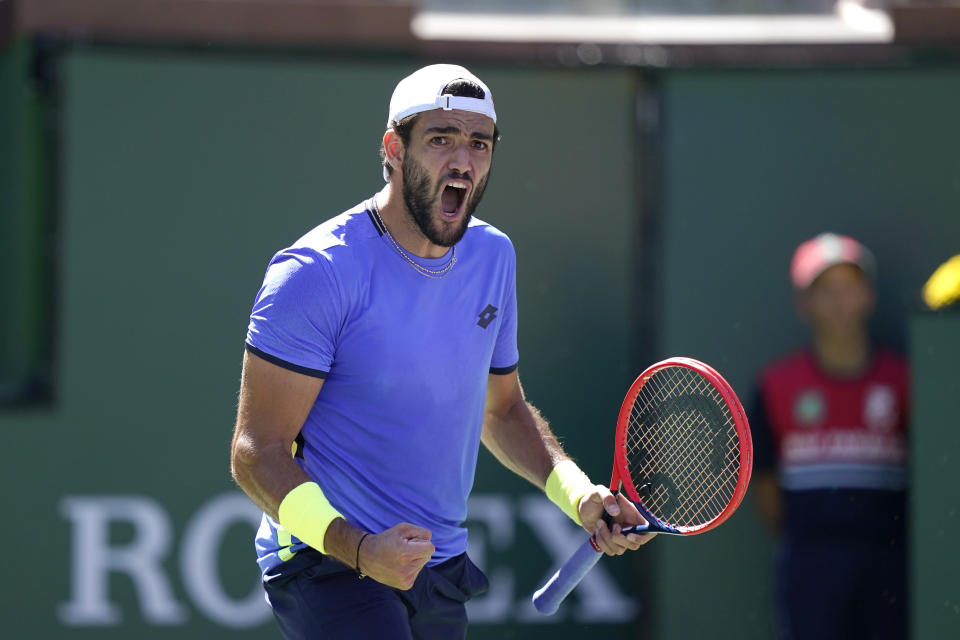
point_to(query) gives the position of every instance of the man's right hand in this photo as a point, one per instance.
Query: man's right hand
(396, 556)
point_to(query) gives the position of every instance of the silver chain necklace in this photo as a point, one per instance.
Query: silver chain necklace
(422, 270)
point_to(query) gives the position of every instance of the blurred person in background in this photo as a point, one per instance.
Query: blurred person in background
(830, 430)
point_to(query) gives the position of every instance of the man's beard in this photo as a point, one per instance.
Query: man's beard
(421, 198)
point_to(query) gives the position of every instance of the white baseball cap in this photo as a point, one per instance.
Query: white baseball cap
(423, 91)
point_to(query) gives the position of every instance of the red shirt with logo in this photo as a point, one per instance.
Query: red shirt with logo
(839, 445)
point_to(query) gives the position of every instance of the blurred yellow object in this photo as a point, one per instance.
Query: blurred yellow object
(943, 287)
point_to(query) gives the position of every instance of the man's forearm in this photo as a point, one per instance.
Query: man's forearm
(521, 439)
(269, 477)
(265, 472)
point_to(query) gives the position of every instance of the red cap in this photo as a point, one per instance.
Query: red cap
(816, 255)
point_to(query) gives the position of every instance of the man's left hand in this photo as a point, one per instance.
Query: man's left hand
(609, 538)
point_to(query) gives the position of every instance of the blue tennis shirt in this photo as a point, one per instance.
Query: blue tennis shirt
(394, 432)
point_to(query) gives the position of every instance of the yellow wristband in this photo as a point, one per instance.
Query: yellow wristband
(306, 513)
(566, 485)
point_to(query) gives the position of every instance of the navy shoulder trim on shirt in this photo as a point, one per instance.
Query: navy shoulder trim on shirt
(502, 371)
(370, 207)
(315, 373)
(376, 223)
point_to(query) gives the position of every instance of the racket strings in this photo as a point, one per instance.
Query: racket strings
(698, 492)
(682, 444)
(699, 481)
(695, 499)
(709, 482)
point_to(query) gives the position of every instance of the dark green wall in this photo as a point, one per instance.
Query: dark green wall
(23, 355)
(935, 564)
(754, 163)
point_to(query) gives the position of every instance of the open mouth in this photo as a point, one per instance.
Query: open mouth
(452, 197)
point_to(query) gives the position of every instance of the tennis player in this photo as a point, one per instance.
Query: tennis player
(381, 351)
(830, 455)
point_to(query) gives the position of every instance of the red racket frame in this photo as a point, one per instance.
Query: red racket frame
(741, 425)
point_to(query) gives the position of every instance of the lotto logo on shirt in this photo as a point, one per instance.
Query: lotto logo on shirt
(486, 316)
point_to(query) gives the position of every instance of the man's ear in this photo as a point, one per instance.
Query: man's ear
(393, 149)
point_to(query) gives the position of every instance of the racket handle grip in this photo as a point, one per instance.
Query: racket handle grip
(547, 599)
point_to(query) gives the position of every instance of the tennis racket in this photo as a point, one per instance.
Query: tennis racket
(682, 454)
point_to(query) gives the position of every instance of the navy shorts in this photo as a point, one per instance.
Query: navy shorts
(842, 591)
(315, 596)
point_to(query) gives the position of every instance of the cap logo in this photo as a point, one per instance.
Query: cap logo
(832, 247)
